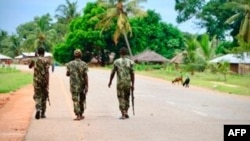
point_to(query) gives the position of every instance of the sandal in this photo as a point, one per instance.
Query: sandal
(122, 117)
(77, 118)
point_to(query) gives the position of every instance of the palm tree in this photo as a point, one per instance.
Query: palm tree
(120, 10)
(3, 35)
(12, 46)
(66, 13)
(199, 51)
(41, 36)
(207, 47)
(242, 9)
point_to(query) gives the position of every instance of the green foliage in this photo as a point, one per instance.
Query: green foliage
(242, 15)
(116, 14)
(224, 48)
(222, 67)
(187, 9)
(235, 84)
(37, 33)
(243, 46)
(150, 33)
(148, 67)
(83, 35)
(210, 15)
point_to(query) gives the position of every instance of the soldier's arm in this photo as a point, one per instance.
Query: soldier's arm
(112, 75)
(68, 71)
(86, 82)
(31, 64)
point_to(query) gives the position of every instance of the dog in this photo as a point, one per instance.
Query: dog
(186, 82)
(177, 80)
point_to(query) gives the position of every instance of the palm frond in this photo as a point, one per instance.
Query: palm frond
(116, 35)
(244, 29)
(232, 18)
(242, 6)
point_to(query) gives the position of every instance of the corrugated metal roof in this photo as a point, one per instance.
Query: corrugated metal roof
(4, 57)
(233, 58)
(32, 54)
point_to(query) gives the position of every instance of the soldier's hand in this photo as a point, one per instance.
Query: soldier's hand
(109, 84)
(86, 90)
(132, 88)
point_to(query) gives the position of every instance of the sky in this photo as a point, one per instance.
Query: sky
(16, 12)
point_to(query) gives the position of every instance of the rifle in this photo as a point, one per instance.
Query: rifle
(132, 99)
(81, 97)
(48, 97)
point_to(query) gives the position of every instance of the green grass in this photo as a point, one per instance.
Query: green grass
(234, 84)
(12, 79)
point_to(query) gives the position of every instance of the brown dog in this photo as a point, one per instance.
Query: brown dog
(177, 80)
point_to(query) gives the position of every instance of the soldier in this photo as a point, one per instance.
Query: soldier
(40, 82)
(77, 71)
(125, 81)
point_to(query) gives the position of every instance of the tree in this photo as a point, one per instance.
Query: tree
(119, 11)
(188, 9)
(207, 47)
(65, 14)
(210, 15)
(3, 35)
(213, 16)
(199, 50)
(191, 54)
(242, 8)
(11, 45)
(37, 33)
(83, 35)
(151, 33)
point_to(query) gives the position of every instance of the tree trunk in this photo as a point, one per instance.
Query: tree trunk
(128, 45)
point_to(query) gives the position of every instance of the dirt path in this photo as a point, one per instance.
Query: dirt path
(15, 114)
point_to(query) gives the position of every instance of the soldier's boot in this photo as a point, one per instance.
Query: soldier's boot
(123, 114)
(37, 116)
(126, 114)
(43, 114)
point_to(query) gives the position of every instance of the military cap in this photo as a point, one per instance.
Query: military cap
(77, 52)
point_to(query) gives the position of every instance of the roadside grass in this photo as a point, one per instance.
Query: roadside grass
(234, 84)
(12, 79)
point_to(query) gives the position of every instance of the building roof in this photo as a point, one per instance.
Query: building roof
(149, 56)
(32, 54)
(177, 58)
(233, 59)
(4, 57)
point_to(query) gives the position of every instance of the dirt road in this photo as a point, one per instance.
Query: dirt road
(163, 112)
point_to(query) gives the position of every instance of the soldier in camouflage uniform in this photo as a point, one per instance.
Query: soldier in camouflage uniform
(77, 71)
(40, 82)
(125, 81)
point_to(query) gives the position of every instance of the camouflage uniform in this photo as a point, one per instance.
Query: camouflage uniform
(124, 69)
(41, 82)
(77, 69)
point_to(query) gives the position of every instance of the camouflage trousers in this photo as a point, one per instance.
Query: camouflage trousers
(78, 102)
(40, 97)
(123, 95)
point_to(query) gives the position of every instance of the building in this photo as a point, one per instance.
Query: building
(239, 63)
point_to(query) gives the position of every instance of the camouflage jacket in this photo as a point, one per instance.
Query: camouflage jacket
(41, 72)
(124, 69)
(77, 68)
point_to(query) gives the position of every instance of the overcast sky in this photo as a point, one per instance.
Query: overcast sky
(16, 12)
